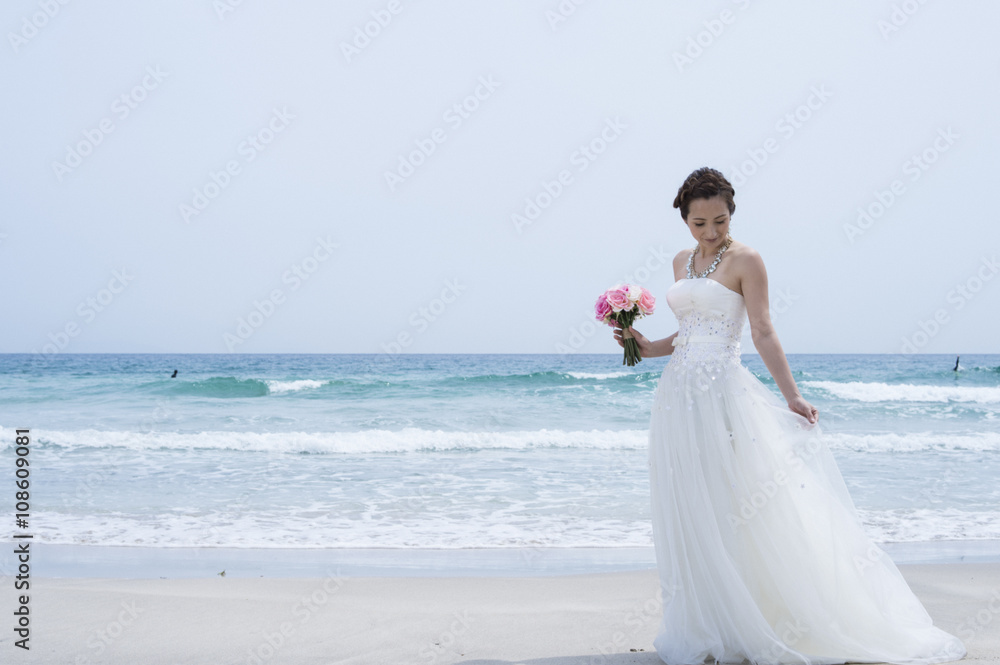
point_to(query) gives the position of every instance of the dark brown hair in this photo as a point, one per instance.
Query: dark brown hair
(704, 183)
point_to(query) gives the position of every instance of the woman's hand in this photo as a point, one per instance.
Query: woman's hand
(645, 346)
(800, 406)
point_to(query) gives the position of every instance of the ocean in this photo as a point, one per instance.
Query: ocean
(454, 451)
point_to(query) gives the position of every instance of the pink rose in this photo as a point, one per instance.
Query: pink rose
(646, 302)
(618, 299)
(602, 309)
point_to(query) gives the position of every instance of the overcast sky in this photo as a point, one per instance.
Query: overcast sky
(351, 177)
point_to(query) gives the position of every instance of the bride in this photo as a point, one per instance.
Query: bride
(760, 552)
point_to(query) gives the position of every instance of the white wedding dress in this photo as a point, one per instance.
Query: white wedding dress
(760, 551)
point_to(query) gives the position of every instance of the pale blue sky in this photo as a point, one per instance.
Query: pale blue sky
(122, 119)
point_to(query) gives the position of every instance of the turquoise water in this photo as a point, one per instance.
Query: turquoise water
(453, 451)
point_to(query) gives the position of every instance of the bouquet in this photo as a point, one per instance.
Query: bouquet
(623, 304)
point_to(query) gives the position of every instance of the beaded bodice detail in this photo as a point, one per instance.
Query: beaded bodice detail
(710, 320)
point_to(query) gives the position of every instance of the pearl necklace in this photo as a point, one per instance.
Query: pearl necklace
(715, 263)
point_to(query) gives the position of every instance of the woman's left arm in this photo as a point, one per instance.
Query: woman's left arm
(765, 339)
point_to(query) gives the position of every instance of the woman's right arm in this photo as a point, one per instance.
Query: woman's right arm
(665, 346)
(662, 347)
(648, 348)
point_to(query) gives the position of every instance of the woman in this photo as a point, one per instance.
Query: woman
(760, 551)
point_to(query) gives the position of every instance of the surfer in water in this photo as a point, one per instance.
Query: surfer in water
(174, 375)
(956, 363)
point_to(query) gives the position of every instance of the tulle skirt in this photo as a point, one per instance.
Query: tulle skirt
(760, 551)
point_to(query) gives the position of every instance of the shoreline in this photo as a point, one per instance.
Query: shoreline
(604, 618)
(141, 562)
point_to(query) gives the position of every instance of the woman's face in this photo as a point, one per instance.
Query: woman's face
(708, 220)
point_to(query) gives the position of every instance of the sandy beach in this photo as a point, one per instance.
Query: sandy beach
(540, 620)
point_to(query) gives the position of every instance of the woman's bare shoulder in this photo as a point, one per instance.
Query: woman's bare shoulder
(747, 265)
(744, 254)
(681, 258)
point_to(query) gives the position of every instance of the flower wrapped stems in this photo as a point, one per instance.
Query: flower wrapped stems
(622, 305)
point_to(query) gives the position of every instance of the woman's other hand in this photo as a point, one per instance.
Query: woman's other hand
(800, 406)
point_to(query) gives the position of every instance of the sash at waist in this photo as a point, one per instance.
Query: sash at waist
(681, 340)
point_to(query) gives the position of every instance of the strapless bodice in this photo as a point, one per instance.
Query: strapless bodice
(710, 320)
